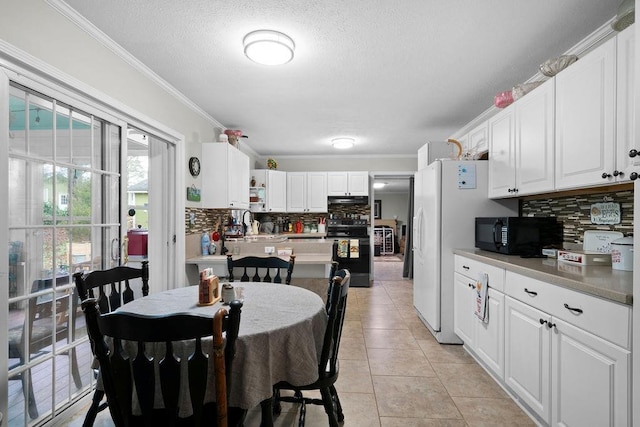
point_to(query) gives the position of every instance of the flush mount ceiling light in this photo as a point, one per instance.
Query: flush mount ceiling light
(268, 47)
(343, 143)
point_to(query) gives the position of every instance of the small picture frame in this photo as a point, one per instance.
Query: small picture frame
(193, 194)
(377, 209)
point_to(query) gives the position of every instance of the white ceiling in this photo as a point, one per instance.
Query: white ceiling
(393, 75)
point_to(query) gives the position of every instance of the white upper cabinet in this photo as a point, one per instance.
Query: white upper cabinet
(307, 192)
(225, 177)
(270, 191)
(477, 140)
(502, 157)
(521, 144)
(535, 140)
(348, 183)
(585, 119)
(627, 161)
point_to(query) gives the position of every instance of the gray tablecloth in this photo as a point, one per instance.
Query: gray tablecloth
(280, 339)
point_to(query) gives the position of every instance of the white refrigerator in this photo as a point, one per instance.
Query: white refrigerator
(448, 195)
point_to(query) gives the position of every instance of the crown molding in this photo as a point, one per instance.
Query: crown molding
(339, 156)
(65, 10)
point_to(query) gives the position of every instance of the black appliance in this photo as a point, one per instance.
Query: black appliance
(351, 248)
(348, 201)
(518, 235)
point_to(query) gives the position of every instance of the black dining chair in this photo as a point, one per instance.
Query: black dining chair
(42, 314)
(129, 374)
(262, 268)
(328, 365)
(112, 289)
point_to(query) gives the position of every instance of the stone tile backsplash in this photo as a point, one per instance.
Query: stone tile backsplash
(575, 213)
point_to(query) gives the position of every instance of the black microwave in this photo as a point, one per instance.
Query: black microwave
(518, 235)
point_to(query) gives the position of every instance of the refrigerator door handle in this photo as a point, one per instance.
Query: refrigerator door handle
(417, 231)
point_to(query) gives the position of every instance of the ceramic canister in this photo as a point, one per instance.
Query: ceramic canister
(622, 254)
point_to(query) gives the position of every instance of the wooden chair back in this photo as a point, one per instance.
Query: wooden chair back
(109, 285)
(121, 372)
(336, 310)
(261, 268)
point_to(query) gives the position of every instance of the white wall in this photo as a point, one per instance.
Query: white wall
(394, 204)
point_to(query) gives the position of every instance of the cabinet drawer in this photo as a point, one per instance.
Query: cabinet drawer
(472, 268)
(606, 319)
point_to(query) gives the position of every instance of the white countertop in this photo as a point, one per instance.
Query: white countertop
(601, 281)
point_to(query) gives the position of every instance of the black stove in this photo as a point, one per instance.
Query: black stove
(347, 227)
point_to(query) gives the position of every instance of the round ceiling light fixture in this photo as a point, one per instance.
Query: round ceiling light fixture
(268, 47)
(343, 143)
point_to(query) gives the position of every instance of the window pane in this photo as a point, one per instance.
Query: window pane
(81, 197)
(82, 139)
(17, 119)
(40, 119)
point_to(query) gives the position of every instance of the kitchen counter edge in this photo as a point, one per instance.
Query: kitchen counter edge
(600, 281)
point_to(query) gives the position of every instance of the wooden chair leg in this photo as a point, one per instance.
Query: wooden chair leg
(75, 371)
(336, 399)
(327, 400)
(28, 395)
(92, 413)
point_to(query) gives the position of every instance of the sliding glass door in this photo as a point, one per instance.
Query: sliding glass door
(63, 216)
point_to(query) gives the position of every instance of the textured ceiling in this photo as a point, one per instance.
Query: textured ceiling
(393, 75)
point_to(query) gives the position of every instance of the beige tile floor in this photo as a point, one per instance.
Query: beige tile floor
(393, 373)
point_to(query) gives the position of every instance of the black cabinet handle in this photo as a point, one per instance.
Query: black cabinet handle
(575, 310)
(551, 325)
(633, 152)
(606, 175)
(532, 293)
(465, 267)
(618, 173)
(471, 285)
(542, 321)
(633, 176)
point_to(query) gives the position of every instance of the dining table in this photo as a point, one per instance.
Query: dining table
(280, 339)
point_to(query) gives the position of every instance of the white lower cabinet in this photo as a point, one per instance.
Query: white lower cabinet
(590, 379)
(564, 354)
(527, 346)
(485, 339)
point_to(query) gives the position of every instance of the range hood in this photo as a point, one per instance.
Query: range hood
(348, 200)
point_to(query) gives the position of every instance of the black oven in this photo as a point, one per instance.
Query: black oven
(518, 235)
(351, 248)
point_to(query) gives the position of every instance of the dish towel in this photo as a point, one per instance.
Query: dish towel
(354, 248)
(343, 249)
(482, 294)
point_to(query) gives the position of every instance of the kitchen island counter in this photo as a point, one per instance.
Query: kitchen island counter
(600, 281)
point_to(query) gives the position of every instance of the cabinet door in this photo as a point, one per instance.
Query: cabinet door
(296, 191)
(490, 335)
(502, 166)
(276, 191)
(337, 183)
(625, 130)
(238, 179)
(477, 139)
(585, 119)
(591, 379)
(463, 309)
(358, 183)
(534, 141)
(317, 192)
(527, 356)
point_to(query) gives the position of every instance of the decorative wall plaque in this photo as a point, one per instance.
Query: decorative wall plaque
(605, 213)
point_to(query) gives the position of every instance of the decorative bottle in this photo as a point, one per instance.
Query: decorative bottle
(205, 241)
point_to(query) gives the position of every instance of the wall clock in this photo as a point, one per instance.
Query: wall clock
(194, 166)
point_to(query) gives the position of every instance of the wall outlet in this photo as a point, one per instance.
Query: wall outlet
(269, 249)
